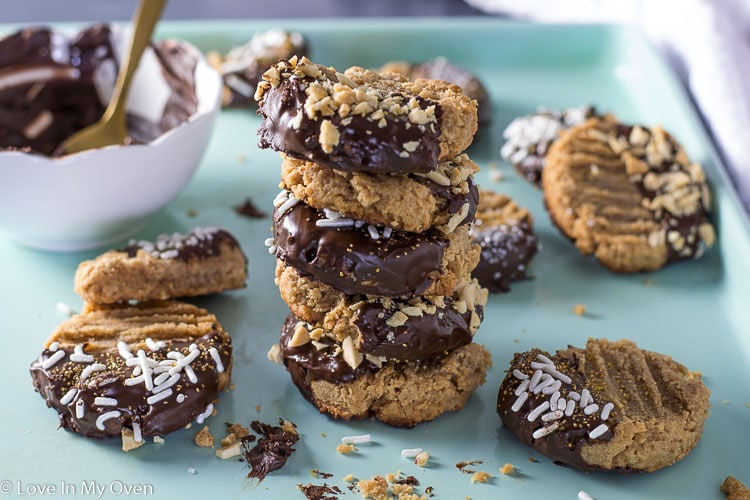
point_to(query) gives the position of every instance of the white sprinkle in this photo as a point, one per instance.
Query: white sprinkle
(81, 358)
(172, 380)
(585, 398)
(520, 375)
(539, 366)
(520, 401)
(191, 375)
(64, 309)
(280, 198)
(562, 404)
(95, 367)
(387, 231)
(181, 397)
(535, 378)
(558, 375)
(193, 347)
(606, 410)
(137, 436)
(359, 223)
(546, 381)
(134, 380)
(373, 231)
(331, 214)
(136, 371)
(269, 242)
(364, 438)
(522, 387)
(54, 346)
(101, 401)
(410, 452)
(69, 396)
(162, 376)
(534, 414)
(574, 396)
(104, 417)
(547, 429)
(184, 361)
(169, 254)
(552, 388)
(166, 362)
(124, 350)
(544, 359)
(570, 408)
(553, 415)
(554, 399)
(289, 203)
(159, 396)
(176, 355)
(598, 431)
(592, 408)
(203, 416)
(582, 495)
(155, 346)
(215, 354)
(80, 408)
(192, 471)
(334, 222)
(143, 361)
(52, 360)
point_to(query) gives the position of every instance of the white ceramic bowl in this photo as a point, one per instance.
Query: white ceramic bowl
(95, 198)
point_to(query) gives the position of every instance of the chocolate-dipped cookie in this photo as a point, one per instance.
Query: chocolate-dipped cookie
(151, 368)
(243, 66)
(203, 261)
(441, 68)
(406, 328)
(504, 232)
(345, 384)
(528, 138)
(361, 120)
(359, 258)
(628, 195)
(608, 406)
(443, 199)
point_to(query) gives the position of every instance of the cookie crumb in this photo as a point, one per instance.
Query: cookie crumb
(158, 440)
(422, 458)
(128, 440)
(734, 489)
(204, 438)
(229, 450)
(375, 488)
(507, 469)
(346, 449)
(532, 460)
(480, 477)
(258, 408)
(579, 309)
(248, 209)
(241, 158)
(464, 466)
(238, 430)
(349, 478)
(192, 213)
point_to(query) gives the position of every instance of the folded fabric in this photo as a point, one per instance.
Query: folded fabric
(707, 42)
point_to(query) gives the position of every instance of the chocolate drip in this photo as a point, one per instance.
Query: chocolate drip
(507, 250)
(196, 245)
(363, 144)
(350, 260)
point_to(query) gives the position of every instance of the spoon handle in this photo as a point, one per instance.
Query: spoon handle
(144, 22)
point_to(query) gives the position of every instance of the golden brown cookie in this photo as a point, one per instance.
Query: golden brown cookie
(407, 328)
(348, 385)
(206, 260)
(441, 68)
(504, 232)
(528, 138)
(242, 67)
(358, 258)
(609, 406)
(150, 368)
(444, 198)
(627, 195)
(362, 120)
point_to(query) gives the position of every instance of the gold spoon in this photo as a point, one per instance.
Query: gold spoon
(111, 127)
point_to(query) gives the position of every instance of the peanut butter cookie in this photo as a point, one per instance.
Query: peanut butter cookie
(627, 195)
(609, 406)
(206, 260)
(151, 368)
(362, 121)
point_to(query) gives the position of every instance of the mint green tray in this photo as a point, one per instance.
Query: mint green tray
(695, 311)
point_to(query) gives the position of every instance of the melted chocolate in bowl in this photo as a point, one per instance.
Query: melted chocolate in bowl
(48, 86)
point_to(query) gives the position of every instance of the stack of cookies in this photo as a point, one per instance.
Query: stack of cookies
(371, 235)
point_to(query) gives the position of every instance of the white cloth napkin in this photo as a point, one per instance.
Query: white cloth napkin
(706, 41)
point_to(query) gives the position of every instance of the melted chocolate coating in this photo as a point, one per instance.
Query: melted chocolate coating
(363, 144)
(270, 452)
(564, 444)
(196, 245)
(351, 261)
(507, 250)
(54, 94)
(160, 418)
(419, 337)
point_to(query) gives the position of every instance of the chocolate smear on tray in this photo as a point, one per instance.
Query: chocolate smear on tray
(272, 450)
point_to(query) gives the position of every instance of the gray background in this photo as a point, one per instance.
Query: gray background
(33, 11)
